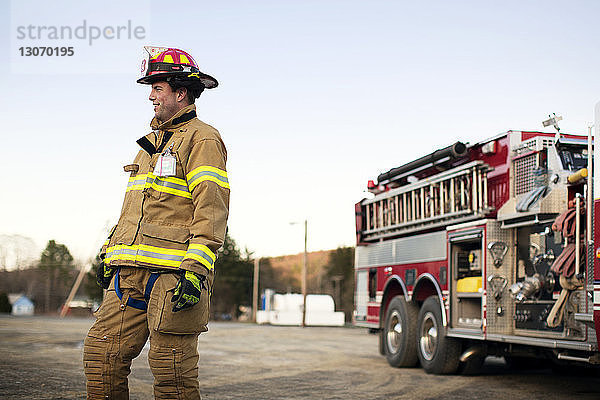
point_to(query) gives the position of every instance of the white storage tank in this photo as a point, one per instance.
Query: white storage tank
(286, 309)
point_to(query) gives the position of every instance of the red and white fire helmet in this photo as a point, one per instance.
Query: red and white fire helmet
(165, 62)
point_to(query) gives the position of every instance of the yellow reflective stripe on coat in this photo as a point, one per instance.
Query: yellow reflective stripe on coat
(120, 252)
(145, 253)
(202, 254)
(207, 173)
(171, 185)
(137, 182)
(165, 184)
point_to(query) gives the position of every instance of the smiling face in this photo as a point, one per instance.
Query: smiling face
(167, 102)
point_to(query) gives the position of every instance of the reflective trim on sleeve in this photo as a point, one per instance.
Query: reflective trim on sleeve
(207, 173)
(202, 254)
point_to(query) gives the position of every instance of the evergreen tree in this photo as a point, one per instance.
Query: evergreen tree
(233, 280)
(5, 306)
(56, 262)
(267, 278)
(340, 273)
(90, 286)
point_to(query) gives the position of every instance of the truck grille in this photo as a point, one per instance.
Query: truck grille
(524, 179)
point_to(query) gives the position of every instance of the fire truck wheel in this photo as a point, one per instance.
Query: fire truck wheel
(399, 333)
(438, 353)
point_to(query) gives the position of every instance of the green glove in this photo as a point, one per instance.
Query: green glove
(188, 290)
(104, 275)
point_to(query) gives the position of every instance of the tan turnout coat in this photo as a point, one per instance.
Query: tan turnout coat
(172, 222)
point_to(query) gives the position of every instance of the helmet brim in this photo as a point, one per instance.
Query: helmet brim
(208, 81)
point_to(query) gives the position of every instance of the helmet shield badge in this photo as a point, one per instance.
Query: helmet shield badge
(149, 52)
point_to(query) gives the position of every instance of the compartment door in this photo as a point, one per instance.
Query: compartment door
(466, 279)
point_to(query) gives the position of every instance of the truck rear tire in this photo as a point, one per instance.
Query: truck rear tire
(381, 341)
(399, 333)
(438, 353)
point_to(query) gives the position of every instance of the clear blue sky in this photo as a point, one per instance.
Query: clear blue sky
(316, 97)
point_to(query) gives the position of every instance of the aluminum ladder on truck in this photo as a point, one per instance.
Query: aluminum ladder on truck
(457, 195)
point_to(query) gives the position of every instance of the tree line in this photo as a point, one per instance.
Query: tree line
(48, 280)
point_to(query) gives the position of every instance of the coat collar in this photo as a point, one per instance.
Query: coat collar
(180, 118)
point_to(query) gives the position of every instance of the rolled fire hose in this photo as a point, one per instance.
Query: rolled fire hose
(567, 263)
(555, 316)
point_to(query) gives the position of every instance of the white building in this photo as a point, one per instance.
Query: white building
(21, 305)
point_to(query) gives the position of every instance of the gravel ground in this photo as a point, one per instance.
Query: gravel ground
(41, 359)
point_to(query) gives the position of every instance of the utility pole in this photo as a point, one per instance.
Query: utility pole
(255, 289)
(304, 267)
(65, 307)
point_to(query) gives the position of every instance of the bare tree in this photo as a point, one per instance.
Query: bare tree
(16, 252)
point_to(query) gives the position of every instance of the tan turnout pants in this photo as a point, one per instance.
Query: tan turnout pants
(121, 331)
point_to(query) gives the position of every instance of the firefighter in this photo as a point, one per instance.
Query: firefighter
(158, 261)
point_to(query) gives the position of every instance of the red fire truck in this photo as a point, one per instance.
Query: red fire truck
(482, 249)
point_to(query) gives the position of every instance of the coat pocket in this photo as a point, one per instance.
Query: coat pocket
(161, 317)
(172, 237)
(162, 246)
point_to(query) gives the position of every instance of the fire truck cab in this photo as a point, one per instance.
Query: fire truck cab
(482, 249)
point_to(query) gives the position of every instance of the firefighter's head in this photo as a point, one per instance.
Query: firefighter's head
(166, 100)
(175, 78)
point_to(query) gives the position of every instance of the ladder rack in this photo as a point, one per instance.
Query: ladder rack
(453, 196)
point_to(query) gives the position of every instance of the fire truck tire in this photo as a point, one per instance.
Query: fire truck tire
(399, 333)
(438, 353)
